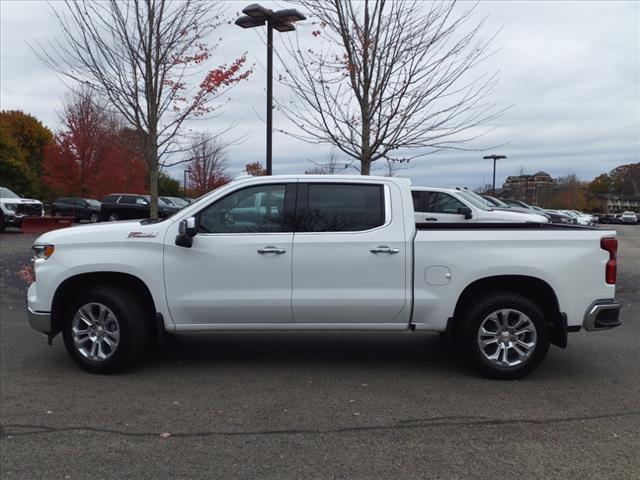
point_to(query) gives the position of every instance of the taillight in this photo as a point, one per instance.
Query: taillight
(610, 244)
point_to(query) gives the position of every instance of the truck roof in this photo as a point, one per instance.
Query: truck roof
(398, 180)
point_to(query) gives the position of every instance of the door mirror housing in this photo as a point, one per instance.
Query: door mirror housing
(187, 229)
(466, 211)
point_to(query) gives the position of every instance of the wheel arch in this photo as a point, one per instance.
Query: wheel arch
(71, 286)
(535, 288)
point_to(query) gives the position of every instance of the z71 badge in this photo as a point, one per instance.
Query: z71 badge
(142, 234)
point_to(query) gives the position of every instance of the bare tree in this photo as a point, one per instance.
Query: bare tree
(390, 80)
(330, 166)
(148, 59)
(207, 164)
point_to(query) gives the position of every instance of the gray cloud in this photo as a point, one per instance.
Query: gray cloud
(570, 70)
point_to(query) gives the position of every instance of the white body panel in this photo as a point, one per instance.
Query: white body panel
(222, 279)
(338, 280)
(325, 280)
(564, 259)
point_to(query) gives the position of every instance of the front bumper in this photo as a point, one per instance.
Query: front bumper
(602, 314)
(40, 321)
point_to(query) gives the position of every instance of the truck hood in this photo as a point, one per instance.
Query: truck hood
(104, 232)
(507, 216)
(18, 201)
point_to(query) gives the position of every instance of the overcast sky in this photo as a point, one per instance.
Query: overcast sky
(571, 70)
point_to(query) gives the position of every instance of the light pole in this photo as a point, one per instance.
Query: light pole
(283, 21)
(186, 170)
(494, 158)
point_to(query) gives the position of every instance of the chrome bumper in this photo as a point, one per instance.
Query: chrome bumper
(602, 314)
(40, 321)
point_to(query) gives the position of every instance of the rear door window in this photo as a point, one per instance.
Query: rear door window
(340, 207)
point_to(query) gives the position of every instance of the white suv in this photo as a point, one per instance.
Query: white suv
(14, 209)
(453, 205)
(629, 217)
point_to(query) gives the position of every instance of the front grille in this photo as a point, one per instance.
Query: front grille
(29, 210)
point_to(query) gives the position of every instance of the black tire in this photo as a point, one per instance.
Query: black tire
(2, 225)
(132, 320)
(94, 218)
(113, 217)
(480, 311)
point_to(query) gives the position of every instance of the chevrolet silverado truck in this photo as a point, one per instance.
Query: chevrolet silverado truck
(322, 253)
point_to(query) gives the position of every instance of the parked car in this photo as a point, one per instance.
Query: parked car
(606, 218)
(322, 253)
(78, 208)
(557, 217)
(516, 203)
(15, 208)
(452, 205)
(580, 219)
(176, 201)
(126, 206)
(593, 219)
(629, 217)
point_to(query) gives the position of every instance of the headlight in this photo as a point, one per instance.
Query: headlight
(11, 206)
(42, 251)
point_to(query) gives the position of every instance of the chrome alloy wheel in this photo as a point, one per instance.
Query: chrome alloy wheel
(507, 337)
(95, 331)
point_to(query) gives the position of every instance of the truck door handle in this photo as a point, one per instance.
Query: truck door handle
(384, 249)
(271, 249)
(431, 219)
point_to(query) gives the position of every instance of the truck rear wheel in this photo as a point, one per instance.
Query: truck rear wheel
(504, 334)
(105, 330)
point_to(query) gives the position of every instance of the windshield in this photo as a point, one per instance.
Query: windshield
(475, 200)
(92, 202)
(180, 202)
(495, 201)
(161, 201)
(6, 193)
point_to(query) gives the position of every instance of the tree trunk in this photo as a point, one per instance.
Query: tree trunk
(151, 157)
(365, 166)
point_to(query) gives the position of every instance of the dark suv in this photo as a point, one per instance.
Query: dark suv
(78, 208)
(126, 206)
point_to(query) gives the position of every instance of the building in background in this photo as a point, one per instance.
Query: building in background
(616, 203)
(532, 189)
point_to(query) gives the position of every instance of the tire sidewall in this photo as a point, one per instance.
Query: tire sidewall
(130, 316)
(489, 304)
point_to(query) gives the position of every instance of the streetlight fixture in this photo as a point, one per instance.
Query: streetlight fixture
(283, 21)
(494, 158)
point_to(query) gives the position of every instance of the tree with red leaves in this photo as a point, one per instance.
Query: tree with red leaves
(255, 169)
(150, 61)
(207, 164)
(93, 155)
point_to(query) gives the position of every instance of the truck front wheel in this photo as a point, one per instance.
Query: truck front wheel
(105, 329)
(505, 335)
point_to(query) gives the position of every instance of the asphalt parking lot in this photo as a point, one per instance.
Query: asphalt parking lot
(305, 406)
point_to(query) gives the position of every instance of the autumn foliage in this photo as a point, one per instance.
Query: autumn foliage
(23, 139)
(93, 155)
(255, 169)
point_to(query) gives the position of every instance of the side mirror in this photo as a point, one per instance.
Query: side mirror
(466, 211)
(186, 231)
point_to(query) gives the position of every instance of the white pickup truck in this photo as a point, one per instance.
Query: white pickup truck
(322, 253)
